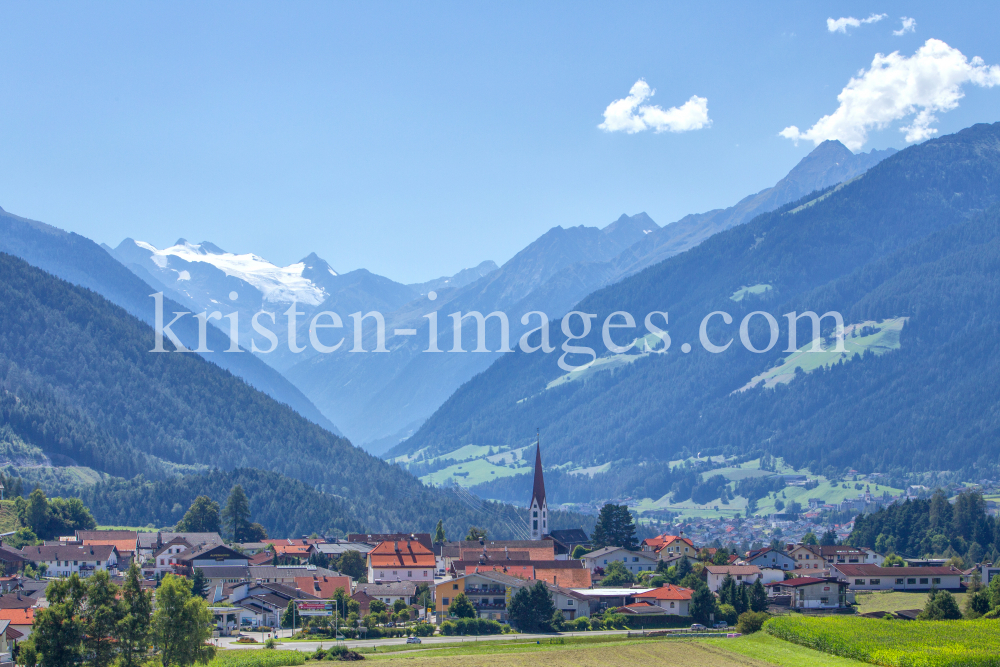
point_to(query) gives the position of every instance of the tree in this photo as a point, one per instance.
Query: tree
(57, 633)
(614, 528)
(461, 607)
(828, 539)
(758, 597)
(376, 606)
(994, 592)
(530, 610)
(22, 537)
(101, 613)
(616, 575)
(579, 551)
(399, 605)
(135, 610)
(941, 606)
(439, 532)
(703, 604)
(255, 533)
(894, 560)
(290, 617)
(810, 538)
(475, 534)
(201, 517)
(352, 564)
(750, 622)
(181, 624)
(198, 582)
(558, 621)
(236, 515)
(977, 603)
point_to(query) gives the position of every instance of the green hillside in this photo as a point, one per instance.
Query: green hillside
(916, 237)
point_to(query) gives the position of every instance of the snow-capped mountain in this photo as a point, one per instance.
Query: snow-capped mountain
(178, 265)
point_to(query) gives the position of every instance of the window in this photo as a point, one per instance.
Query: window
(911, 581)
(381, 574)
(454, 587)
(605, 562)
(635, 559)
(936, 580)
(875, 582)
(569, 602)
(899, 581)
(671, 605)
(534, 524)
(859, 582)
(534, 514)
(923, 580)
(425, 573)
(446, 601)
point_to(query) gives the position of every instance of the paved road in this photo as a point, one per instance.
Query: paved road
(310, 646)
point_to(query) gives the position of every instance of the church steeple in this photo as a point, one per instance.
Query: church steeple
(538, 510)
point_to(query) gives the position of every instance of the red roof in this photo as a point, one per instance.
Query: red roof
(660, 541)
(401, 554)
(666, 592)
(322, 586)
(18, 616)
(521, 571)
(262, 558)
(293, 549)
(802, 581)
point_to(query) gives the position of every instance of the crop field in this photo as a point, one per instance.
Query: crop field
(256, 658)
(745, 652)
(895, 643)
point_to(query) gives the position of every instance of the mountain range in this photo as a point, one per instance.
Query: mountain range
(910, 246)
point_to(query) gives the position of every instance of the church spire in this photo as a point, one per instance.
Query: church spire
(538, 520)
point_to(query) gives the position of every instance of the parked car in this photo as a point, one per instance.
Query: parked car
(413, 640)
(698, 626)
(721, 625)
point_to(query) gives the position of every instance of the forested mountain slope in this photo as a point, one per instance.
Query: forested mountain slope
(77, 380)
(862, 249)
(82, 262)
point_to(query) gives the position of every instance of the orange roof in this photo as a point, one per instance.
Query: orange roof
(521, 571)
(401, 553)
(304, 540)
(263, 558)
(667, 592)
(565, 577)
(18, 616)
(121, 545)
(661, 541)
(546, 552)
(293, 549)
(322, 586)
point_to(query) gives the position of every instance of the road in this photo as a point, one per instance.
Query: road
(310, 646)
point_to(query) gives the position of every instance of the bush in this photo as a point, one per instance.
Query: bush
(423, 630)
(270, 643)
(579, 625)
(750, 622)
(448, 628)
(595, 623)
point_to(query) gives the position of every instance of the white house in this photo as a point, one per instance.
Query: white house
(166, 556)
(213, 555)
(672, 599)
(634, 561)
(769, 558)
(875, 578)
(813, 592)
(62, 561)
(741, 574)
(571, 603)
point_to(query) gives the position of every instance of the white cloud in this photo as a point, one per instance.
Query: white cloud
(845, 22)
(909, 25)
(631, 115)
(895, 87)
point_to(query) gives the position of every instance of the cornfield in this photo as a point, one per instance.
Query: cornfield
(895, 643)
(256, 658)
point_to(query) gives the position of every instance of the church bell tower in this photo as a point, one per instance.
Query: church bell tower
(538, 509)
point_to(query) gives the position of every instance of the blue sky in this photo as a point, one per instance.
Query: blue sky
(415, 139)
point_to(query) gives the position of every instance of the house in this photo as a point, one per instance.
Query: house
(150, 542)
(364, 601)
(11, 559)
(265, 603)
(251, 548)
(19, 619)
(62, 561)
(165, 558)
(488, 551)
(807, 557)
(571, 603)
(489, 593)
(323, 587)
(212, 555)
(634, 561)
(669, 545)
(769, 575)
(608, 598)
(741, 574)
(8, 640)
(567, 573)
(339, 548)
(812, 592)
(876, 578)
(846, 555)
(987, 572)
(221, 575)
(770, 558)
(671, 599)
(398, 560)
(125, 541)
(286, 574)
(390, 591)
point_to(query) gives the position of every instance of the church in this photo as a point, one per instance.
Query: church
(538, 509)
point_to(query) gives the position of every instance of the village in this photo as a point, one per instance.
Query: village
(368, 586)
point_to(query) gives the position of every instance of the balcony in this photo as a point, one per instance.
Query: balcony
(488, 606)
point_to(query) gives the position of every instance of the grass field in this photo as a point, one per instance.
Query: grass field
(8, 517)
(896, 601)
(895, 643)
(755, 651)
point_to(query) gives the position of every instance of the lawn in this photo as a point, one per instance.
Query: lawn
(772, 650)
(895, 601)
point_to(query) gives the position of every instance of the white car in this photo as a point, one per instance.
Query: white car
(413, 640)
